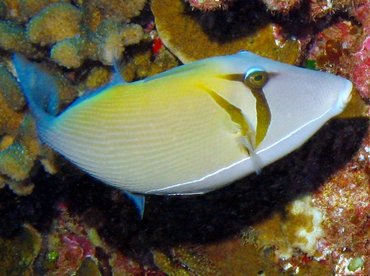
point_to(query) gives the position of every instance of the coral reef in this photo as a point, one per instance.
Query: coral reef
(60, 25)
(17, 255)
(13, 38)
(345, 202)
(183, 35)
(142, 65)
(69, 52)
(283, 7)
(314, 220)
(298, 227)
(111, 38)
(106, 44)
(343, 49)
(118, 10)
(210, 5)
(10, 90)
(56, 28)
(62, 17)
(75, 248)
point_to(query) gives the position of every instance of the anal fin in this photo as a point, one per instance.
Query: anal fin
(139, 201)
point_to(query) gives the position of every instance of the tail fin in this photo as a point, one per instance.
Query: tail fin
(39, 88)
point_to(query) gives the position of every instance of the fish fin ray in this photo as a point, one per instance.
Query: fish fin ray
(117, 77)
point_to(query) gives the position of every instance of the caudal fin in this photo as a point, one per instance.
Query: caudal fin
(39, 88)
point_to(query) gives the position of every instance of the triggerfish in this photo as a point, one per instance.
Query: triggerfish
(189, 130)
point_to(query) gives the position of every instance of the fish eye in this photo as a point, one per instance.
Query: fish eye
(256, 78)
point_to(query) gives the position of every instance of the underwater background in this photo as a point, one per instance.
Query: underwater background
(306, 214)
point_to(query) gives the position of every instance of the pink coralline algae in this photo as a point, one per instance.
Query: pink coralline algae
(361, 72)
(210, 5)
(344, 48)
(345, 203)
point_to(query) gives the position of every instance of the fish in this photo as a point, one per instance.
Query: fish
(190, 130)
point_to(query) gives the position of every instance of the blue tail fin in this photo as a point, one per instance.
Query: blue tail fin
(39, 88)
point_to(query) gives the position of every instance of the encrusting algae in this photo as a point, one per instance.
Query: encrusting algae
(17, 255)
(185, 37)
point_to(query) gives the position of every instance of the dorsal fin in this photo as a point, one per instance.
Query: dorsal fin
(117, 77)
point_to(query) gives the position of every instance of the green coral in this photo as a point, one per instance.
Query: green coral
(69, 52)
(112, 37)
(18, 254)
(97, 77)
(16, 161)
(88, 268)
(355, 264)
(142, 65)
(106, 44)
(13, 38)
(9, 119)
(10, 90)
(29, 8)
(119, 10)
(54, 23)
(2, 10)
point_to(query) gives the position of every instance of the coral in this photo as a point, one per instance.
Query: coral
(361, 73)
(75, 248)
(2, 10)
(18, 254)
(88, 267)
(119, 10)
(191, 262)
(9, 118)
(210, 5)
(345, 202)
(69, 52)
(362, 14)
(19, 145)
(111, 38)
(54, 23)
(29, 8)
(10, 90)
(17, 160)
(323, 233)
(13, 38)
(298, 228)
(186, 38)
(97, 77)
(320, 8)
(142, 65)
(283, 7)
(106, 44)
(343, 49)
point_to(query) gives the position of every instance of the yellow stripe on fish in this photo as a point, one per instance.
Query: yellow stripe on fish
(191, 129)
